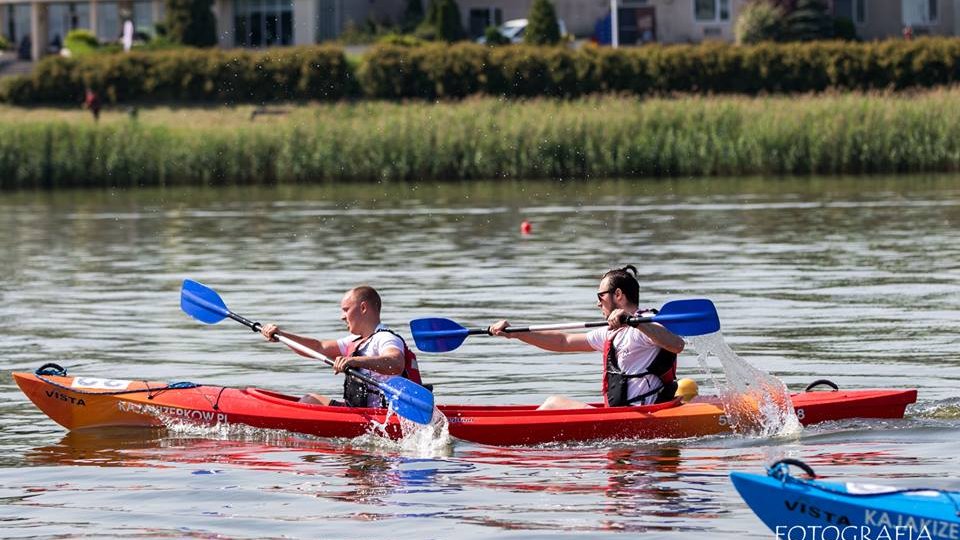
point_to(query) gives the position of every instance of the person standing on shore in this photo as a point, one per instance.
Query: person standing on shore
(91, 101)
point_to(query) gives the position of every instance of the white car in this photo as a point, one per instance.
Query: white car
(514, 29)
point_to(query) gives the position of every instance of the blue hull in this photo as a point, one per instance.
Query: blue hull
(822, 510)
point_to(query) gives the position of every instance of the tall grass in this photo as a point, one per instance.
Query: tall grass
(486, 138)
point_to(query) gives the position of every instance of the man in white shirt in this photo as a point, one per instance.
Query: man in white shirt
(639, 362)
(371, 348)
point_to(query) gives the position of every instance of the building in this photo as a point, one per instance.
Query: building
(240, 23)
(693, 21)
(264, 23)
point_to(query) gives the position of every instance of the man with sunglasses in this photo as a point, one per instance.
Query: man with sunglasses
(640, 363)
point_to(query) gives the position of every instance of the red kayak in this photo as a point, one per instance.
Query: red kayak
(89, 402)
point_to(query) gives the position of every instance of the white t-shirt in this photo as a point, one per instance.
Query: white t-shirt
(635, 353)
(375, 346)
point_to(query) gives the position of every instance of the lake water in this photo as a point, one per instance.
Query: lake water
(855, 280)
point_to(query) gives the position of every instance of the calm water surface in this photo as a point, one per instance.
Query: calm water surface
(856, 280)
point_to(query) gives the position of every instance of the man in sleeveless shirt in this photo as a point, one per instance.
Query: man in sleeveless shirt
(637, 353)
(371, 348)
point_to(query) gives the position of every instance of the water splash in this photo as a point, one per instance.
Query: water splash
(430, 440)
(755, 402)
(948, 409)
(421, 440)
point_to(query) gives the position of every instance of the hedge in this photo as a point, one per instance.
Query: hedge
(193, 75)
(441, 71)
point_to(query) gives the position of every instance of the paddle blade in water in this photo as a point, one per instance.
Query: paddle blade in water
(689, 317)
(437, 335)
(202, 302)
(409, 399)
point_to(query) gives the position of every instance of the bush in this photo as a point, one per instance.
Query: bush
(520, 71)
(492, 36)
(542, 26)
(367, 33)
(159, 42)
(759, 21)
(191, 75)
(402, 40)
(80, 42)
(442, 71)
(4, 44)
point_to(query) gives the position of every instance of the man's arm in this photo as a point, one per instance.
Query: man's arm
(662, 337)
(328, 348)
(550, 341)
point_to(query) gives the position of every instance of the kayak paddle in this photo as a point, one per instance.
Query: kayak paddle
(408, 399)
(682, 317)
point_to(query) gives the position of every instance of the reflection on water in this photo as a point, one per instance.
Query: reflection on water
(854, 280)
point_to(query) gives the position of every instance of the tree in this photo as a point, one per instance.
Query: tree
(412, 15)
(810, 20)
(760, 20)
(191, 22)
(442, 22)
(542, 26)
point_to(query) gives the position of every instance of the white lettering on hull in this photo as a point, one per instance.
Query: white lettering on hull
(175, 413)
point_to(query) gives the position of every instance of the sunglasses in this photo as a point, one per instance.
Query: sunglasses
(601, 293)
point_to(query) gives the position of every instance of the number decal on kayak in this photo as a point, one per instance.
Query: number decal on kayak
(100, 384)
(800, 414)
(723, 420)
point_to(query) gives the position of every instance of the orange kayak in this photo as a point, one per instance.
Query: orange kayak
(91, 402)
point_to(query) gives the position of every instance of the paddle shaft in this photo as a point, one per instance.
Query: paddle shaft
(299, 347)
(632, 321)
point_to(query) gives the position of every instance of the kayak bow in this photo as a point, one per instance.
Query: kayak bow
(784, 503)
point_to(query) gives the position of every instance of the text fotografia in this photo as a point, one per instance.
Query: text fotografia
(867, 532)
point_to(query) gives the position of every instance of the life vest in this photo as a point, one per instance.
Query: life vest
(615, 382)
(355, 391)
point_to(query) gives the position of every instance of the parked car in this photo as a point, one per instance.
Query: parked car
(514, 29)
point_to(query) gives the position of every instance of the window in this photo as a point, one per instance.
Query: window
(855, 10)
(143, 17)
(711, 10)
(920, 12)
(108, 21)
(262, 23)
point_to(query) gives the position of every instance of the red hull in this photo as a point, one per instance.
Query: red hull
(83, 402)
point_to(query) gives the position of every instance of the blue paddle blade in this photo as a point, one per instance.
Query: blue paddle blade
(202, 302)
(409, 399)
(437, 335)
(689, 317)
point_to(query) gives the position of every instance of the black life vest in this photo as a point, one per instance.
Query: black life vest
(615, 382)
(355, 391)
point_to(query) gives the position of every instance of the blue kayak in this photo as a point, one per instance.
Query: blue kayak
(797, 508)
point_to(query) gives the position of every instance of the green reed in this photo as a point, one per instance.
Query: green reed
(485, 138)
